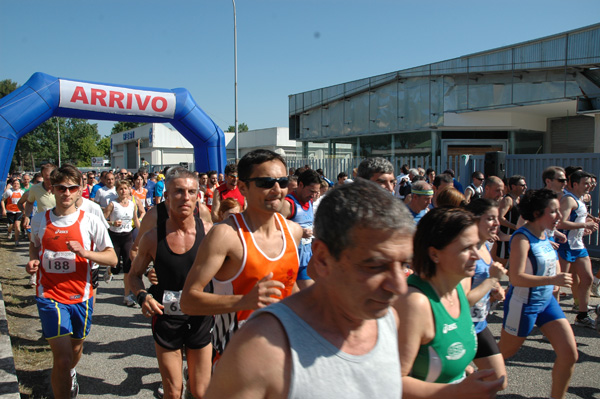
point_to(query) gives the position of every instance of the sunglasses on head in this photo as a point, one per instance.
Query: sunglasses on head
(61, 188)
(269, 182)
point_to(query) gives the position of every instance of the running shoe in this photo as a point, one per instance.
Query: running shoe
(160, 391)
(9, 235)
(16, 243)
(129, 301)
(32, 280)
(74, 386)
(595, 291)
(107, 276)
(585, 322)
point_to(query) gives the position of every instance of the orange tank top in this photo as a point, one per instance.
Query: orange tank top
(255, 266)
(142, 196)
(63, 275)
(11, 206)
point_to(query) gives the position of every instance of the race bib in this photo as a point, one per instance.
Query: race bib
(171, 303)
(550, 267)
(59, 262)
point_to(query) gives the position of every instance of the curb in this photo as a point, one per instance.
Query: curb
(9, 384)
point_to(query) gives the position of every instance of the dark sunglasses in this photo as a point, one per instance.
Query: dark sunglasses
(62, 189)
(269, 182)
(561, 180)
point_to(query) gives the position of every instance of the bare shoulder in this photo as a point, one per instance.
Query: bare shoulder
(252, 365)
(295, 230)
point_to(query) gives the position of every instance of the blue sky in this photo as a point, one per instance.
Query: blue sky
(284, 46)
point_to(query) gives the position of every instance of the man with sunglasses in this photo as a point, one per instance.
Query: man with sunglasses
(64, 242)
(298, 207)
(228, 190)
(251, 258)
(475, 189)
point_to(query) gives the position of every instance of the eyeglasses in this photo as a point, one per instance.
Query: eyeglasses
(234, 176)
(561, 180)
(269, 182)
(479, 178)
(62, 189)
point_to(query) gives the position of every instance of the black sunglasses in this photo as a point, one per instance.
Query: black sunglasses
(561, 180)
(269, 182)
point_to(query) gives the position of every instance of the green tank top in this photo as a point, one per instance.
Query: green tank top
(444, 359)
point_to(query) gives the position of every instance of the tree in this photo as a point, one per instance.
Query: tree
(7, 86)
(123, 126)
(104, 147)
(242, 127)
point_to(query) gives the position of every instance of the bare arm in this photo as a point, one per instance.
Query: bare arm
(503, 208)
(417, 328)
(567, 205)
(106, 257)
(518, 262)
(256, 364)
(214, 213)
(145, 255)
(108, 210)
(22, 203)
(475, 294)
(147, 223)
(219, 256)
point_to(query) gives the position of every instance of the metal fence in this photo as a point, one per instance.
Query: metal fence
(530, 166)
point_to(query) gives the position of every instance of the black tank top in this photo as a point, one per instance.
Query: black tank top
(171, 268)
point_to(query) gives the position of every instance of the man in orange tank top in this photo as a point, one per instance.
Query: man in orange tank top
(64, 242)
(252, 257)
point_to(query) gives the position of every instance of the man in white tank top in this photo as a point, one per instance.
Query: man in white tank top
(337, 338)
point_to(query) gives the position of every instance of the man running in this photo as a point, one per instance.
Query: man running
(573, 255)
(422, 193)
(171, 244)
(228, 190)
(298, 207)
(339, 337)
(108, 193)
(378, 170)
(64, 242)
(251, 257)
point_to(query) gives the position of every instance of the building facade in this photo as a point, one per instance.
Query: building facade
(540, 96)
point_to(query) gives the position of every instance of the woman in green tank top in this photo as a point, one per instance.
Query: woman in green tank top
(437, 338)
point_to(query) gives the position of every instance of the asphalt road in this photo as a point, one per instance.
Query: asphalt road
(119, 359)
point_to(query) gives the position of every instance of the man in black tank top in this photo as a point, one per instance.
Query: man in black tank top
(172, 246)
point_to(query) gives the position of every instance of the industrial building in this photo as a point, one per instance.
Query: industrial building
(539, 96)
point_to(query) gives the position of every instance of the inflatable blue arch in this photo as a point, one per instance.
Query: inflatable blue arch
(45, 96)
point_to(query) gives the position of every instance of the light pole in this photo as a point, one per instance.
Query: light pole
(235, 80)
(58, 134)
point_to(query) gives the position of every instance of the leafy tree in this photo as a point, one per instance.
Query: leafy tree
(104, 146)
(242, 127)
(7, 86)
(123, 126)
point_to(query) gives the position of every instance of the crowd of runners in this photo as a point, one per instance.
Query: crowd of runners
(273, 282)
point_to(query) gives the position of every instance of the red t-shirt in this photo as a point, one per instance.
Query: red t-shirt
(235, 194)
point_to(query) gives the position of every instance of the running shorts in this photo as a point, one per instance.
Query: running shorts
(175, 332)
(59, 320)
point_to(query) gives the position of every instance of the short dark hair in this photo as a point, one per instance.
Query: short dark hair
(231, 168)
(342, 175)
(550, 173)
(212, 172)
(309, 177)
(362, 204)
(438, 228)
(570, 169)
(256, 157)
(576, 176)
(66, 172)
(442, 177)
(368, 167)
(479, 206)
(533, 203)
(513, 180)
(476, 175)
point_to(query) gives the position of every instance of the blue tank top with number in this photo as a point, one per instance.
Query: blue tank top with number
(541, 261)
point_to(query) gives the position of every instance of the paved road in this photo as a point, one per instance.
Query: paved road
(119, 362)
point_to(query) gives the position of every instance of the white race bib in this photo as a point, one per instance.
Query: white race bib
(171, 303)
(59, 262)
